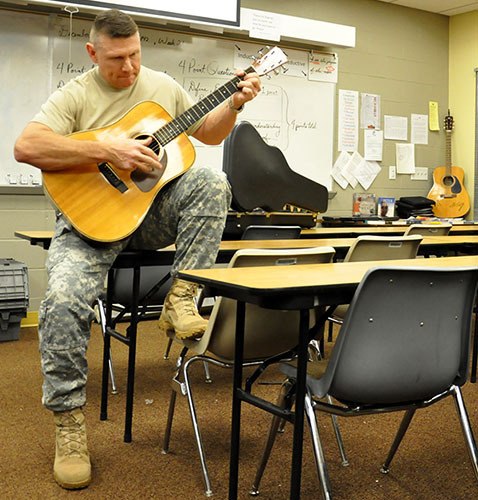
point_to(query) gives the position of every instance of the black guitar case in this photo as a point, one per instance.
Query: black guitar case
(260, 176)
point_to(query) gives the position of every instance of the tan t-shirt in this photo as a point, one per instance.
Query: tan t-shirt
(88, 101)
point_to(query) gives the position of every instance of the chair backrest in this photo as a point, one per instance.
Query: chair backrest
(257, 232)
(150, 277)
(153, 278)
(267, 332)
(369, 247)
(428, 229)
(405, 338)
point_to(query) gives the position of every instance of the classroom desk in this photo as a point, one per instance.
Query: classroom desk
(40, 238)
(384, 229)
(43, 238)
(228, 247)
(295, 288)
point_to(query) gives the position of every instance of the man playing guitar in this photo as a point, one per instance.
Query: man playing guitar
(190, 212)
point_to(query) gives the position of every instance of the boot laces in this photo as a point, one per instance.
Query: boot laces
(187, 294)
(70, 431)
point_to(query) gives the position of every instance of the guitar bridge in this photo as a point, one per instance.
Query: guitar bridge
(112, 178)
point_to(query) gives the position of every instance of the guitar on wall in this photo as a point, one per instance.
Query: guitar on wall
(107, 204)
(450, 197)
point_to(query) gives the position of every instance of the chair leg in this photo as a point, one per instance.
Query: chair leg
(315, 352)
(338, 437)
(466, 428)
(207, 373)
(177, 385)
(197, 433)
(168, 349)
(330, 331)
(318, 452)
(398, 439)
(475, 348)
(102, 318)
(169, 423)
(284, 401)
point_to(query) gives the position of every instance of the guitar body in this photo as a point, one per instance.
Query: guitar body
(92, 204)
(450, 197)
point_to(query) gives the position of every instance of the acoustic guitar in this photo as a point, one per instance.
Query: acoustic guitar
(450, 196)
(107, 204)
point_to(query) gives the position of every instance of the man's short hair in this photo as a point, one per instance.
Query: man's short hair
(114, 24)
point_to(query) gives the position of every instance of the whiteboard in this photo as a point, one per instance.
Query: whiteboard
(292, 112)
(23, 88)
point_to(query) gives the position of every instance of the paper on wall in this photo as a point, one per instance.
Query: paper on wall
(405, 155)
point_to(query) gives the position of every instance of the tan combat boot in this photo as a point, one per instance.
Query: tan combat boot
(180, 313)
(72, 467)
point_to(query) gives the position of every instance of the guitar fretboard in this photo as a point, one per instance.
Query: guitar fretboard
(181, 123)
(448, 152)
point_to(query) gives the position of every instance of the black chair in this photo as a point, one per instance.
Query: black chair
(474, 354)
(397, 351)
(258, 232)
(136, 288)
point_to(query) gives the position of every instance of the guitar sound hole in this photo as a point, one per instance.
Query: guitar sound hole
(155, 146)
(448, 180)
(145, 181)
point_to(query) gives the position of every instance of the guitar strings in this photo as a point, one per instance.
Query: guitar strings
(175, 127)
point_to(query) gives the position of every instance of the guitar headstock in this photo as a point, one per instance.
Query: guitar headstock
(448, 122)
(274, 59)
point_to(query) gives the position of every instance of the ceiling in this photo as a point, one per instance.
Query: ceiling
(445, 7)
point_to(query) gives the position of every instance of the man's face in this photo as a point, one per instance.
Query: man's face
(118, 59)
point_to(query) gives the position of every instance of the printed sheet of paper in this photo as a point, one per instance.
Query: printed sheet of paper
(339, 166)
(353, 168)
(370, 111)
(367, 174)
(265, 25)
(405, 154)
(395, 127)
(373, 144)
(348, 120)
(419, 133)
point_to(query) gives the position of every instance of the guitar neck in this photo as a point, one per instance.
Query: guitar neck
(180, 124)
(448, 153)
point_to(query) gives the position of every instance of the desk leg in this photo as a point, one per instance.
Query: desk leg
(106, 347)
(299, 406)
(132, 332)
(236, 402)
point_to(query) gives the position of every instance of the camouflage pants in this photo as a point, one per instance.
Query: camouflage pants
(189, 212)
